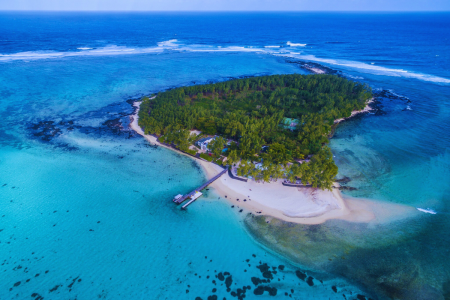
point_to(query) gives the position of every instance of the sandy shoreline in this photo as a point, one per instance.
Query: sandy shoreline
(291, 204)
(367, 108)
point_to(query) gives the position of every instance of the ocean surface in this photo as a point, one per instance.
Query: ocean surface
(85, 204)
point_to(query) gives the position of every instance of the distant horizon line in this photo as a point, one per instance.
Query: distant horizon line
(230, 11)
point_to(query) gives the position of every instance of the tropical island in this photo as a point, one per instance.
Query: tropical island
(264, 128)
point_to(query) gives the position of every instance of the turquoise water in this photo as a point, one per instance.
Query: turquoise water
(93, 205)
(90, 202)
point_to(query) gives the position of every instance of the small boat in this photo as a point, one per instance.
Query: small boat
(428, 210)
(177, 197)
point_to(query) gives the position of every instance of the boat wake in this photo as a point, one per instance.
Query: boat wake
(428, 210)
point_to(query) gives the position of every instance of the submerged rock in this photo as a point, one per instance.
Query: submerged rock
(391, 270)
(256, 281)
(220, 276)
(258, 291)
(228, 281)
(300, 275)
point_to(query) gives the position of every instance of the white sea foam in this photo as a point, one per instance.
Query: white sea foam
(353, 77)
(84, 48)
(221, 49)
(377, 70)
(174, 45)
(105, 51)
(428, 210)
(395, 94)
(295, 44)
(169, 43)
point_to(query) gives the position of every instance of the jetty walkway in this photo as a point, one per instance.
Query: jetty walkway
(184, 197)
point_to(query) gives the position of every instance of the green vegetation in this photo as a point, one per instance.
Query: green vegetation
(252, 113)
(206, 156)
(191, 152)
(217, 145)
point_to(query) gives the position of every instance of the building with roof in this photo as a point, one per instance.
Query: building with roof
(289, 123)
(203, 143)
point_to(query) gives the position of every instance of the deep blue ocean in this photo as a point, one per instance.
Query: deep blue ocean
(85, 204)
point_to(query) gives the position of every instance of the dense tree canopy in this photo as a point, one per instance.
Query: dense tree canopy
(250, 111)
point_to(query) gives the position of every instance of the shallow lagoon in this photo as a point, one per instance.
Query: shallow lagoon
(91, 205)
(87, 210)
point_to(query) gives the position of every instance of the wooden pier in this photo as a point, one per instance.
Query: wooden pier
(182, 199)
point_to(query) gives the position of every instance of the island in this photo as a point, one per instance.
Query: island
(270, 131)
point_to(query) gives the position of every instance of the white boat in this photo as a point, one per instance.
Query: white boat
(177, 197)
(428, 210)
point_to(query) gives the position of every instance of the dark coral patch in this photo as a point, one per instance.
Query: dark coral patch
(261, 289)
(220, 276)
(267, 275)
(300, 275)
(54, 288)
(258, 291)
(228, 281)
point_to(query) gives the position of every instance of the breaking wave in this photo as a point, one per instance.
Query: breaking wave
(104, 51)
(169, 43)
(175, 45)
(353, 77)
(295, 44)
(198, 48)
(374, 69)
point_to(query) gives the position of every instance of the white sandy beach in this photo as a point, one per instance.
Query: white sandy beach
(299, 205)
(134, 125)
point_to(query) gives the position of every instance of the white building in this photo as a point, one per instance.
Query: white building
(259, 166)
(203, 143)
